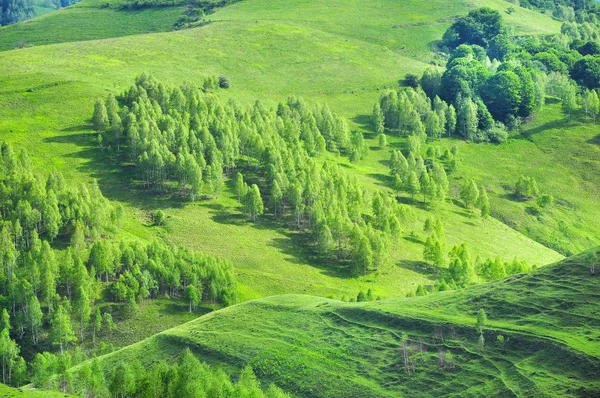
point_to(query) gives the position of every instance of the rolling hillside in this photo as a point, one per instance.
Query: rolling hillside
(542, 333)
(48, 91)
(548, 320)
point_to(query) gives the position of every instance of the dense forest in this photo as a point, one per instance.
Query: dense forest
(185, 378)
(494, 81)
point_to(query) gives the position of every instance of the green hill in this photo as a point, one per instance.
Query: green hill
(548, 320)
(46, 108)
(88, 20)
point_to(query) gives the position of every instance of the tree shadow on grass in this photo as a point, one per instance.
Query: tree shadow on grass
(382, 179)
(413, 239)
(419, 267)
(299, 250)
(595, 140)
(115, 175)
(555, 124)
(364, 121)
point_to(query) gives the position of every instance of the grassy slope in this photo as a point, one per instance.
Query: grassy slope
(268, 57)
(8, 392)
(89, 20)
(564, 158)
(318, 347)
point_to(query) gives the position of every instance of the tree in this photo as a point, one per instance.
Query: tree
(411, 80)
(61, 331)
(377, 119)
(586, 71)
(431, 82)
(240, 186)
(502, 94)
(9, 354)
(478, 27)
(413, 186)
(526, 188)
(193, 295)
(569, 100)
(35, 315)
(382, 141)
(276, 197)
(481, 321)
(100, 116)
(484, 204)
(467, 120)
(254, 203)
(82, 309)
(224, 82)
(469, 194)
(108, 321)
(594, 105)
(544, 201)
(159, 218)
(450, 120)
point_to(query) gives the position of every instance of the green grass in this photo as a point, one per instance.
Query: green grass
(9, 392)
(564, 158)
(89, 20)
(269, 50)
(320, 347)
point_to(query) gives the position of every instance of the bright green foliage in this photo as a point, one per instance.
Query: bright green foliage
(544, 201)
(254, 203)
(483, 203)
(433, 252)
(467, 120)
(377, 119)
(431, 82)
(469, 194)
(381, 141)
(62, 333)
(526, 188)
(193, 295)
(100, 116)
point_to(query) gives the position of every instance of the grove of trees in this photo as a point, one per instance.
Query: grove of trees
(186, 140)
(59, 260)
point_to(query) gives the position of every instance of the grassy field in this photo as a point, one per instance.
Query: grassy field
(343, 53)
(319, 347)
(8, 392)
(89, 20)
(46, 108)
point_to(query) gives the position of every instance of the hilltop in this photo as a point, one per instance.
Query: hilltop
(541, 339)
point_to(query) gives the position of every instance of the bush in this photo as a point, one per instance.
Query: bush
(223, 82)
(498, 134)
(159, 218)
(411, 80)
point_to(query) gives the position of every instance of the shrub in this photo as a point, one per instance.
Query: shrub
(223, 82)
(411, 80)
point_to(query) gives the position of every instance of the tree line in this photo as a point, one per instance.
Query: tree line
(186, 377)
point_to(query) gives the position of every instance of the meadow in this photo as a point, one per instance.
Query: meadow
(357, 348)
(291, 324)
(46, 109)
